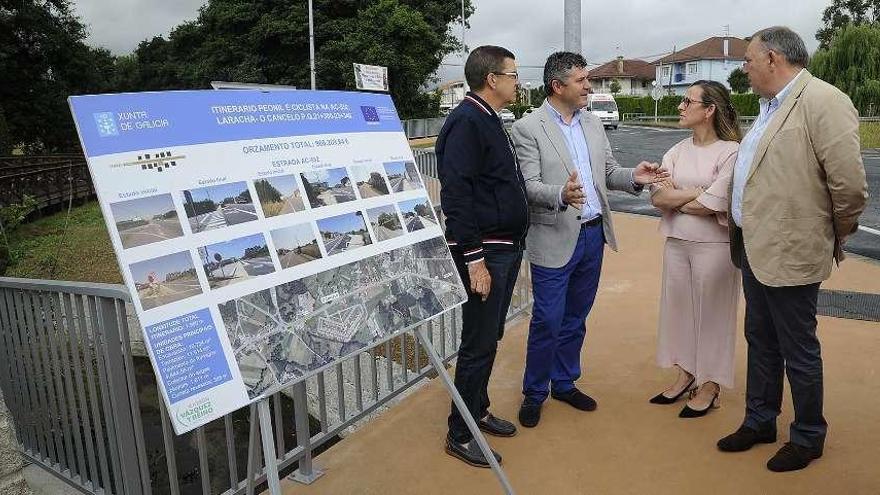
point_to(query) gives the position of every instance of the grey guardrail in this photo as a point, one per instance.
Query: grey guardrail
(421, 128)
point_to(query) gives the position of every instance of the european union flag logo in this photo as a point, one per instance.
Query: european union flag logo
(106, 124)
(370, 114)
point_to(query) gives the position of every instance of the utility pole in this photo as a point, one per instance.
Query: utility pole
(572, 23)
(312, 44)
(464, 52)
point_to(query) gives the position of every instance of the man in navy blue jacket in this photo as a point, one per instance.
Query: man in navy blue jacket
(483, 197)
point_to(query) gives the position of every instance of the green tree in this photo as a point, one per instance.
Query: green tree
(843, 12)
(267, 42)
(43, 60)
(739, 81)
(852, 63)
(266, 191)
(614, 87)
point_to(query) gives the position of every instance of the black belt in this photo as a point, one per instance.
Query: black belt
(592, 223)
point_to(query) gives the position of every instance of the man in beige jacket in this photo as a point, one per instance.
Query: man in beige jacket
(797, 192)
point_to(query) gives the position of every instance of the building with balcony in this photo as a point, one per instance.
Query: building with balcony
(711, 59)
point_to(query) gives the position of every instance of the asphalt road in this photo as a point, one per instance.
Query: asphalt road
(414, 223)
(165, 292)
(240, 270)
(239, 213)
(293, 258)
(383, 232)
(155, 231)
(337, 244)
(368, 191)
(337, 195)
(292, 203)
(225, 215)
(631, 145)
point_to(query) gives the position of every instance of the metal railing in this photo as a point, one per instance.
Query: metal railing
(78, 396)
(420, 128)
(50, 179)
(86, 408)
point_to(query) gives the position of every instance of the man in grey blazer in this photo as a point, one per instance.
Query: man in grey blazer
(567, 164)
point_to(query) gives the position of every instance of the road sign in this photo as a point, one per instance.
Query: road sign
(657, 92)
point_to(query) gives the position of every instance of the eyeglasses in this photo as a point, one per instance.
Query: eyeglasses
(514, 75)
(687, 102)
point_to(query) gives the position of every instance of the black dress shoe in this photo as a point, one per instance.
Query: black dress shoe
(745, 438)
(792, 457)
(529, 414)
(470, 453)
(497, 426)
(576, 399)
(662, 399)
(687, 412)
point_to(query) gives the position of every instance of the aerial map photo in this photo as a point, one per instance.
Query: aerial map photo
(282, 334)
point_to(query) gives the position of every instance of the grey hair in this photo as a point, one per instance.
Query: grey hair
(783, 40)
(558, 66)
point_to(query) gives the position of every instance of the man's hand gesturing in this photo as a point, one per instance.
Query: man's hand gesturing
(573, 191)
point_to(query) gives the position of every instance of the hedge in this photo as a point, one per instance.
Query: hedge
(746, 105)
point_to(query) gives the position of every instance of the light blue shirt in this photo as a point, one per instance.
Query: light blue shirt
(579, 151)
(749, 146)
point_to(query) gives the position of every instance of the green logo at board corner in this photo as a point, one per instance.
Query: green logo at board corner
(192, 413)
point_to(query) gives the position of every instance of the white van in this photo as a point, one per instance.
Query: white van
(604, 107)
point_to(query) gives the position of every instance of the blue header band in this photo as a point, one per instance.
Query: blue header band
(126, 122)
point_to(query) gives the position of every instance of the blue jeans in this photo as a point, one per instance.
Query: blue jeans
(563, 298)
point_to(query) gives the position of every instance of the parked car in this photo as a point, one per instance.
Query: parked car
(528, 111)
(506, 115)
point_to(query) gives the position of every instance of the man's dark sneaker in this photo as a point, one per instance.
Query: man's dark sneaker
(576, 399)
(529, 414)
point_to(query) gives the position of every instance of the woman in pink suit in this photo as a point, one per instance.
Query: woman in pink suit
(701, 287)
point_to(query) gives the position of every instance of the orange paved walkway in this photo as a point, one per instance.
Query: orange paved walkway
(627, 446)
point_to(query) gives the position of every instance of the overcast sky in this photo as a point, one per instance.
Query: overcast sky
(530, 28)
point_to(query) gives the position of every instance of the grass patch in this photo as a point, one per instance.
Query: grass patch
(423, 142)
(272, 208)
(86, 255)
(870, 132)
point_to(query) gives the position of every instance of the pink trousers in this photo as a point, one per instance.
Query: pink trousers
(698, 301)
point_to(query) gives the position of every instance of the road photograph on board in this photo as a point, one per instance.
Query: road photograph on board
(214, 207)
(146, 220)
(165, 279)
(236, 260)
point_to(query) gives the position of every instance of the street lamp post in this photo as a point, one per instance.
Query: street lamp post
(529, 92)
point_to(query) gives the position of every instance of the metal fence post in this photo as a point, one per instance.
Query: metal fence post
(120, 400)
(307, 473)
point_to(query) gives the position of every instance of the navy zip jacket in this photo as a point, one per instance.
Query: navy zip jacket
(482, 191)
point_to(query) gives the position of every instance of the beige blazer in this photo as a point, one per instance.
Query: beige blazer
(805, 189)
(546, 165)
